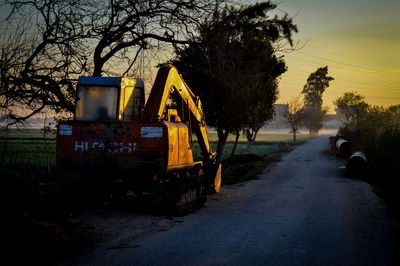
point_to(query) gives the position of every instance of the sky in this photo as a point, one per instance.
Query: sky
(359, 41)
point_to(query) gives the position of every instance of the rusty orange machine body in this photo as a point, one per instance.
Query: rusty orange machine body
(157, 148)
(113, 130)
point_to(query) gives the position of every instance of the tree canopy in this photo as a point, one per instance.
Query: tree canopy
(352, 108)
(233, 66)
(372, 129)
(313, 90)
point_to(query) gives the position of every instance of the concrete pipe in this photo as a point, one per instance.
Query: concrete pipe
(344, 147)
(357, 163)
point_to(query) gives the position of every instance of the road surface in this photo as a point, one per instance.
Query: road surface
(302, 211)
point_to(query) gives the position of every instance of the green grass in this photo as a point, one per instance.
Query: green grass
(27, 133)
(27, 147)
(27, 150)
(260, 148)
(266, 144)
(272, 136)
(247, 166)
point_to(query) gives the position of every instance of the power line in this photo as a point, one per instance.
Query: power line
(289, 82)
(338, 93)
(341, 81)
(357, 68)
(355, 81)
(347, 55)
(331, 90)
(349, 64)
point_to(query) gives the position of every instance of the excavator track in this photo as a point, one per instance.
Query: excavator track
(176, 196)
(181, 198)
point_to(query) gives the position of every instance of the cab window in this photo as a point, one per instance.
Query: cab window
(96, 103)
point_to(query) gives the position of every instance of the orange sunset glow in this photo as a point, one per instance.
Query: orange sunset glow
(359, 41)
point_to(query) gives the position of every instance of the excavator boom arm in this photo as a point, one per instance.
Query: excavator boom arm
(169, 82)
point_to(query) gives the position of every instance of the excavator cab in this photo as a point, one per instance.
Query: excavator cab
(109, 98)
(104, 131)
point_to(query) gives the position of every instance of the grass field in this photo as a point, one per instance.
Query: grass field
(271, 136)
(267, 143)
(25, 152)
(29, 148)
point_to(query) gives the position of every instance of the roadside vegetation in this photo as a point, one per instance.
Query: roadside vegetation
(375, 130)
(251, 157)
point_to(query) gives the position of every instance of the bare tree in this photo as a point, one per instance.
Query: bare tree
(39, 56)
(294, 114)
(47, 44)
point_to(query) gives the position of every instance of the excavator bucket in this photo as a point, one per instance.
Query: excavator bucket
(216, 187)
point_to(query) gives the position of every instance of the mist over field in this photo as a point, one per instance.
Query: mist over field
(277, 124)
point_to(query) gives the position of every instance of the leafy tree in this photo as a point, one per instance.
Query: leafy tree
(394, 112)
(294, 115)
(46, 44)
(261, 98)
(316, 85)
(361, 123)
(353, 109)
(233, 67)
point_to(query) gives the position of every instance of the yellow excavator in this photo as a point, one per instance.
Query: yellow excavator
(148, 148)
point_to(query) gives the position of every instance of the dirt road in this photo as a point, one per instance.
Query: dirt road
(302, 211)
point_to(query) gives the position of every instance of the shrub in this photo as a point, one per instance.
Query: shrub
(372, 129)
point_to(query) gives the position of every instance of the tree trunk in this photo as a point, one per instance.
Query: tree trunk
(98, 61)
(98, 69)
(235, 145)
(222, 137)
(228, 161)
(251, 133)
